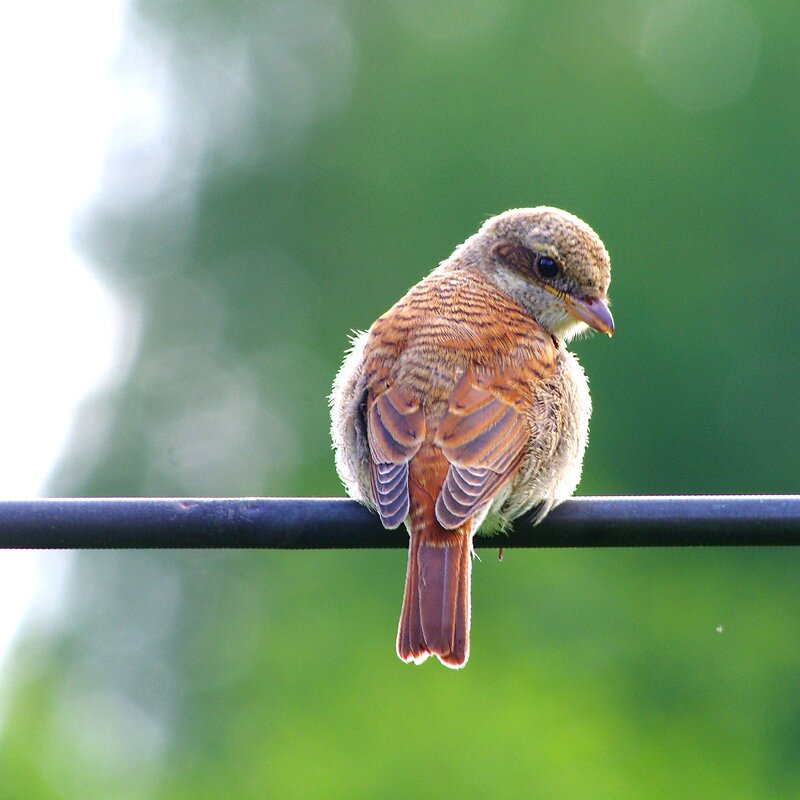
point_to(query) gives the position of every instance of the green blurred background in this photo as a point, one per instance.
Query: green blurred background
(312, 161)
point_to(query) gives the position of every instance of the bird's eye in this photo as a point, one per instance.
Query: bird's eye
(547, 267)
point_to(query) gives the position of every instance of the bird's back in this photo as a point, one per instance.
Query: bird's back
(452, 321)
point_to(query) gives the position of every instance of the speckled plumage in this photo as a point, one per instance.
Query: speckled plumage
(462, 400)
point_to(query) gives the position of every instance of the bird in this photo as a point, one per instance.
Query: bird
(461, 409)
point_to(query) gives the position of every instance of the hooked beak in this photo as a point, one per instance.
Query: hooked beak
(594, 313)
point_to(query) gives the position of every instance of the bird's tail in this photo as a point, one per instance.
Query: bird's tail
(436, 604)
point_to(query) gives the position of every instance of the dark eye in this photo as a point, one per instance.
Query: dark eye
(547, 267)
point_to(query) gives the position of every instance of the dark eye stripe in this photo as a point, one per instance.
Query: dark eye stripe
(519, 257)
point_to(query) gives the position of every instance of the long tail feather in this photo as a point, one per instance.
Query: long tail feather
(410, 641)
(436, 605)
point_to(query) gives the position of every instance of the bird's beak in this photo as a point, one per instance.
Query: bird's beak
(594, 313)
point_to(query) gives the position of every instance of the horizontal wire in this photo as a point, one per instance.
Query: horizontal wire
(324, 523)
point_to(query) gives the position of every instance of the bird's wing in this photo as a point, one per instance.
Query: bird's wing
(483, 435)
(395, 430)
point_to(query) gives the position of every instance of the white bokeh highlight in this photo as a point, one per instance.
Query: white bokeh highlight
(63, 334)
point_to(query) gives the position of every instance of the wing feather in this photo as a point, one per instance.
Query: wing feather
(483, 436)
(395, 431)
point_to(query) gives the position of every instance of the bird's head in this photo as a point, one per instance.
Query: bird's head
(551, 263)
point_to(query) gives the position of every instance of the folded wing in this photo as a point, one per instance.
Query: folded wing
(396, 430)
(483, 436)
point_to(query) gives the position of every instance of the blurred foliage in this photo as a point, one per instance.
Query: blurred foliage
(315, 160)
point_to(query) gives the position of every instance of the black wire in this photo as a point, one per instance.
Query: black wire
(307, 523)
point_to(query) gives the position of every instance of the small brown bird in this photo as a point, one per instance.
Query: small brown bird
(461, 408)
